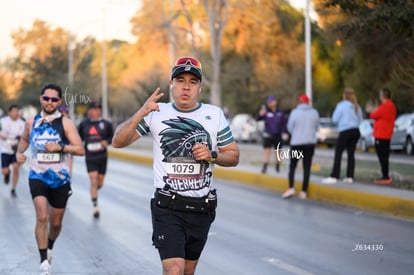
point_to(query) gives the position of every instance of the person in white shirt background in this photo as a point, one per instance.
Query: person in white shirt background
(12, 127)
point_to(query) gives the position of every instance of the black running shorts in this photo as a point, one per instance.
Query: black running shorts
(96, 164)
(57, 197)
(7, 159)
(179, 234)
(274, 141)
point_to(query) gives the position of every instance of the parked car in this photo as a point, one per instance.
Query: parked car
(366, 140)
(327, 132)
(403, 135)
(245, 128)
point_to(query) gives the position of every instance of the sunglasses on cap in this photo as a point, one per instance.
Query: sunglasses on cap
(183, 61)
(53, 99)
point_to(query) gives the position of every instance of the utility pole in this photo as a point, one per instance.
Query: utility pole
(71, 75)
(171, 38)
(104, 73)
(308, 58)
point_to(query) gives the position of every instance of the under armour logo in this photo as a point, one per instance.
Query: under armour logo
(161, 237)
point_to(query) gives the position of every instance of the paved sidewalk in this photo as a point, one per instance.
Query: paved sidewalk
(380, 199)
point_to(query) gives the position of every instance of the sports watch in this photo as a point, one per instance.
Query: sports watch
(213, 157)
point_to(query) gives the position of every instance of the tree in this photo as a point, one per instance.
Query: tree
(42, 58)
(263, 54)
(377, 38)
(217, 13)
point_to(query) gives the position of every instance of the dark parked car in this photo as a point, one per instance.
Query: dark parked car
(403, 136)
(366, 140)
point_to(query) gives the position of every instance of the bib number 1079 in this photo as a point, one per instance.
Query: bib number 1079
(183, 168)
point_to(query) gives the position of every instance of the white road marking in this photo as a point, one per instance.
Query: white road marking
(286, 266)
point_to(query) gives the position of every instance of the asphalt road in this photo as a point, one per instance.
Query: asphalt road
(255, 232)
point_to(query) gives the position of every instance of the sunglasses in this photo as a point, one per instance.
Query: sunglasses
(53, 99)
(188, 61)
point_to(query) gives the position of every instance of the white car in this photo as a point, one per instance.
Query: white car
(403, 135)
(367, 140)
(327, 132)
(245, 128)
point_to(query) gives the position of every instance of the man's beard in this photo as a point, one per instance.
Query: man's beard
(49, 112)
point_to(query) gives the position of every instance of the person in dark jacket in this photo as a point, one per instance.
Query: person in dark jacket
(274, 126)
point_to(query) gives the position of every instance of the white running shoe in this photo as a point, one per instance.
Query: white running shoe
(348, 180)
(45, 268)
(329, 180)
(302, 195)
(49, 256)
(288, 193)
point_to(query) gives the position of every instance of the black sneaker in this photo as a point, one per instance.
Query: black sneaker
(264, 168)
(13, 193)
(7, 178)
(96, 212)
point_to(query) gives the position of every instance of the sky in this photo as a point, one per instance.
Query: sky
(99, 18)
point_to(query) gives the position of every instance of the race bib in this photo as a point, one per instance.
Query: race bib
(94, 147)
(48, 157)
(185, 167)
(178, 168)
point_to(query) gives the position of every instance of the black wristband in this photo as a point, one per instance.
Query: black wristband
(63, 146)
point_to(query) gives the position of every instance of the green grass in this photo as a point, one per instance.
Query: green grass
(366, 171)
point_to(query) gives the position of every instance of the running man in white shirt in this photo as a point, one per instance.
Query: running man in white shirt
(189, 139)
(12, 127)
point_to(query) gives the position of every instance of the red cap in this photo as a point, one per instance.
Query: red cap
(303, 98)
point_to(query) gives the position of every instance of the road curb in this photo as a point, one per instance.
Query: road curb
(335, 194)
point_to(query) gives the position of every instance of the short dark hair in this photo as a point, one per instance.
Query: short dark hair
(11, 107)
(385, 92)
(53, 87)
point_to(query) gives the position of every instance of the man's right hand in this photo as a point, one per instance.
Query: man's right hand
(21, 158)
(151, 103)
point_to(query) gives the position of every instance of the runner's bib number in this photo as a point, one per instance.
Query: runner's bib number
(176, 168)
(48, 157)
(94, 147)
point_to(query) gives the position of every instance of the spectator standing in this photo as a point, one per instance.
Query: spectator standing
(302, 124)
(96, 133)
(384, 119)
(12, 127)
(274, 126)
(347, 116)
(189, 139)
(51, 137)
